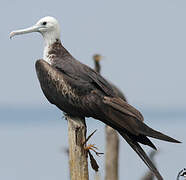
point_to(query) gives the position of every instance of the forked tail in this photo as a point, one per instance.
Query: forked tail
(137, 148)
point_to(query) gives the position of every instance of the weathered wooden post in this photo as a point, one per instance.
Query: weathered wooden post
(112, 154)
(77, 154)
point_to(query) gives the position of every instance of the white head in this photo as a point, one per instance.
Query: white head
(47, 26)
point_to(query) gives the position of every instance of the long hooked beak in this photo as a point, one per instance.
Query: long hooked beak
(34, 28)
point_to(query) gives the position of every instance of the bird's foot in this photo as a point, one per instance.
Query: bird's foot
(91, 146)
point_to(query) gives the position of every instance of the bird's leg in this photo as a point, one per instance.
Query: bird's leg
(89, 137)
(91, 146)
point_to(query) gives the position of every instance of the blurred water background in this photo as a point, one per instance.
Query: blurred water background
(33, 142)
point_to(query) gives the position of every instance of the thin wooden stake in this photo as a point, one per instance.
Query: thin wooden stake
(112, 153)
(77, 154)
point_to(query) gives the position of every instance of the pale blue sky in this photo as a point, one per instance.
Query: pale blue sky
(144, 43)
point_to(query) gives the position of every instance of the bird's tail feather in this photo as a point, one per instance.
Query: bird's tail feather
(141, 139)
(137, 148)
(156, 134)
(127, 117)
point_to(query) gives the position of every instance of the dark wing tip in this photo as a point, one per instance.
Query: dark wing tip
(153, 146)
(176, 141)
(148, 131)
(170, 139)
(137, 148)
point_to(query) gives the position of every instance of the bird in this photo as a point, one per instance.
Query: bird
(97, 58)
(79, 91)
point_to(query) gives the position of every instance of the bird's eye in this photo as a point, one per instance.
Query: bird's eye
(44, 23)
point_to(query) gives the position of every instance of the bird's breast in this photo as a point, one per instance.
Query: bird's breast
(48, 57)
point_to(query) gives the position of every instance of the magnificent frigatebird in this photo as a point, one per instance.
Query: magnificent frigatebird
(80, 91)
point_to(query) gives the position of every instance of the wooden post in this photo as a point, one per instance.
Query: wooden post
(112, 154)
(96, 176)
(77, 154)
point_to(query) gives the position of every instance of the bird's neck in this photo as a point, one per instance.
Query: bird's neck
(50, 38)
(54, 51)
(46, 54)
(48, 45)
(97, 66)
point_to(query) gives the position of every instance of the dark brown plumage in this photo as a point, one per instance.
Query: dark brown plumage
(80, 91)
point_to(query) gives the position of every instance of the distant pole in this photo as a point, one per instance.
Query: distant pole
(112, 154)
(112, 140)
(77, 154)
(96, 176)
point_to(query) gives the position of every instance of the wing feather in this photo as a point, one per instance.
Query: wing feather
(78, 71)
